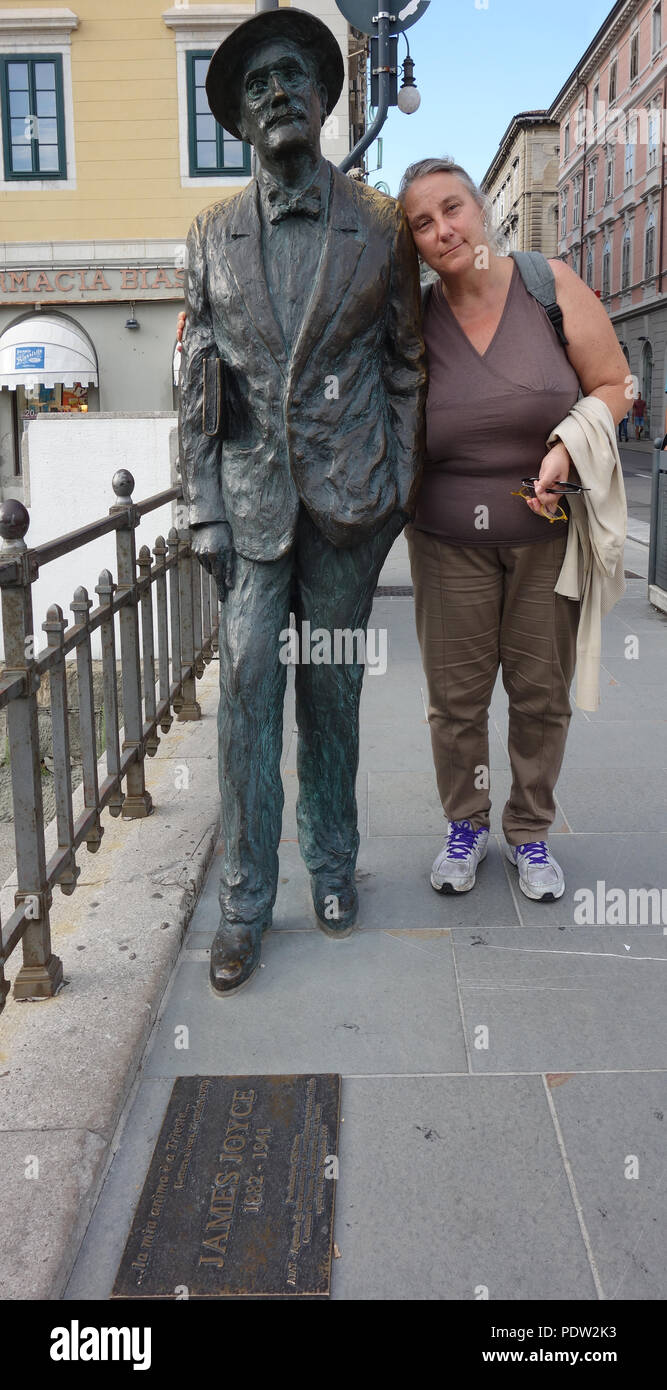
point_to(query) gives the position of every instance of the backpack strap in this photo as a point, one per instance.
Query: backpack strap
(538, 277)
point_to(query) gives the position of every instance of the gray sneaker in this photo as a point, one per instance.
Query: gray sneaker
(540, 875)
(456, 865)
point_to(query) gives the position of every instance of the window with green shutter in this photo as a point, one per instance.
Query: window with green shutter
(33, 121)
(212, 149)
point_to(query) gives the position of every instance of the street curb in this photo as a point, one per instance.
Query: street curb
(68, 1064)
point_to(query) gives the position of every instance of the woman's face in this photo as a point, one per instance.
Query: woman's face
(445, 221)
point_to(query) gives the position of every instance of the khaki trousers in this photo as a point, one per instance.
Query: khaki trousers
(478, 608)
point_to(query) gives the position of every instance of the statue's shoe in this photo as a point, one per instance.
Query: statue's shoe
(236, 953)
(336, 903)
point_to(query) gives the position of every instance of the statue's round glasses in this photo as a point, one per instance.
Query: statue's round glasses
(527, 489)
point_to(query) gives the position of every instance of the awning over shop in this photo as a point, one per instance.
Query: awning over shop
(45, 349)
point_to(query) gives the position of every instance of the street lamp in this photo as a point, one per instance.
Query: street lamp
(383, 28)
(409, 99)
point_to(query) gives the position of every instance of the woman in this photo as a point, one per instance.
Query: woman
(484, 561)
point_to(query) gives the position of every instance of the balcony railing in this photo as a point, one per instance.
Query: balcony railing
(186, 605)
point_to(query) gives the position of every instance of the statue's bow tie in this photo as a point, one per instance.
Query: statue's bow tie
(308, 204)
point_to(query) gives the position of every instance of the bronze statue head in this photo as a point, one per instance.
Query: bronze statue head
(282, 49)
(283, 103)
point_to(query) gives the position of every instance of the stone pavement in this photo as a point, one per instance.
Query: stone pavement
(504, 1067)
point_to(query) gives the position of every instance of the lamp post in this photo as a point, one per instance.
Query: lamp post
(383, 27)
(261, 7)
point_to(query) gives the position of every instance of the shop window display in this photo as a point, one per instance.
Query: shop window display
(43, 400)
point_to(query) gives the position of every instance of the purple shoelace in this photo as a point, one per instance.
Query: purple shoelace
(461, 839)
(535, 851)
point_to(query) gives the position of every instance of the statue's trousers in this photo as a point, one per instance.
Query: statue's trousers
(331, 589)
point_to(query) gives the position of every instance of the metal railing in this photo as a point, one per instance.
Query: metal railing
(657, 558)
(187, 629)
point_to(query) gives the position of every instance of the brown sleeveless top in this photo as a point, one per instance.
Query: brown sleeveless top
(487, 420)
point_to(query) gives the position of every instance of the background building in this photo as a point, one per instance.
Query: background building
(522, 183)
(108, 152)
(611, 114)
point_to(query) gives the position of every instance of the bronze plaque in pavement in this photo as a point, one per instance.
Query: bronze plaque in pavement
(239, 1198)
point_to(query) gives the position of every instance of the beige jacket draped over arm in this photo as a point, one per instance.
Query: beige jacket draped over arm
(592, 570)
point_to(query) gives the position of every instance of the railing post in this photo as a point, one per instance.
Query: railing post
(160, 553)
(198, 574)
(137, 802)
(81, 606)
(215, 613)
(175, 619)
(54, 627)
(41, 974)
(206, 616)
(4, 984)
(105, 590)
(148, 646)
(190, 708)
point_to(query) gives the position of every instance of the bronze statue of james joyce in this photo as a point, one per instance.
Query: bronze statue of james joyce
(300, 459)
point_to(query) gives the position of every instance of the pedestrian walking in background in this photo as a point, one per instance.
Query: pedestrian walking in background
(638, 415)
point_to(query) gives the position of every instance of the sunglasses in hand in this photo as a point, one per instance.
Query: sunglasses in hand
(527, 489)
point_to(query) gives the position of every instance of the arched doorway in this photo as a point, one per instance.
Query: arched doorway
(646, 385)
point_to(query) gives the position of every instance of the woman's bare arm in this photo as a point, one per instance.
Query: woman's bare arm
(593, 348)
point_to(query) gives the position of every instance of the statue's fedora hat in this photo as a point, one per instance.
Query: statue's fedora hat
(226, 69)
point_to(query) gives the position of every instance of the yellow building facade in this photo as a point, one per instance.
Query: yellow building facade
(108, 152)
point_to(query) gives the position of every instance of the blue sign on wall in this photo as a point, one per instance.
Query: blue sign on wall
(28, 357)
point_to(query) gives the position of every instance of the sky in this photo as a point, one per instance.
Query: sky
(475, 69)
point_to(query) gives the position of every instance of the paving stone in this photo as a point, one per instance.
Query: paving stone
(607, 803)
(626, 744)
(396, 695)
(646, 669)
(605, 1120)
(626, 702)
(615, 943)
(448, 1184)
(561, 1006)
(373, 1002)
(395, 747)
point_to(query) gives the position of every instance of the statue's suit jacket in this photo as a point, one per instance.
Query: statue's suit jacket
(337, 421)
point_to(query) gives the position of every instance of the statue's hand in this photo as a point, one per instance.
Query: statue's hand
(214, 547)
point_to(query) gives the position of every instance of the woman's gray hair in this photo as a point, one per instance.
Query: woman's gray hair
(424, 167)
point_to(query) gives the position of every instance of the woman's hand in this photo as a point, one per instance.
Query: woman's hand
(555, 467)
(180, 325)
